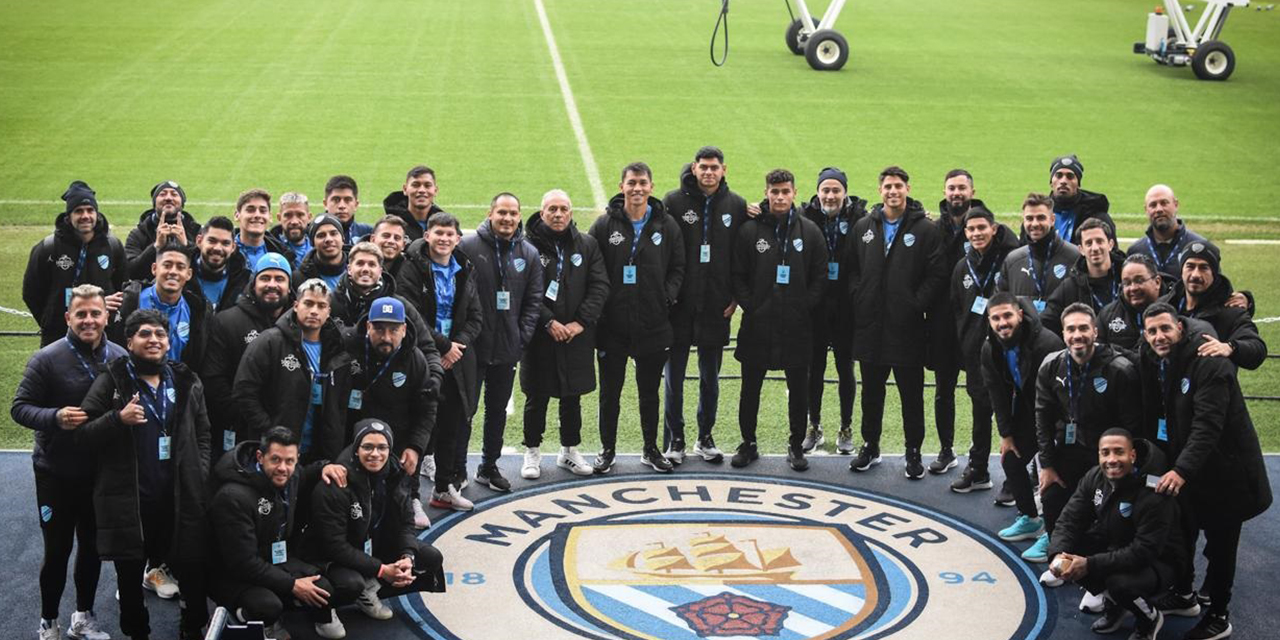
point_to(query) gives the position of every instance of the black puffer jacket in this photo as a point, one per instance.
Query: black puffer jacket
(237, 275)
(397, 204)
(311, 267)
(943, 316)
(1105, 390)
(1233, 325)
(562, 369)
(116, 501)
(506, 333)
(348, 308)
(834, 314)
(403, 394)
(1210, 436)
(1086, 204)
(273, 387)
(1028, 274)
(636, 318)
(51, 270)
(197, 330)
(892, 292)
(971, 328)
(1120, 324)
(140, 246)
(952, 227)
(1014, 406)
(1136, 525)
(777, 320)
(1078, 287)
(1165, 254)
(698, 315)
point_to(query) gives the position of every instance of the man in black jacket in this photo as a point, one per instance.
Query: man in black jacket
(254, 513)
(1166, 236)
(294, 215)
(342, 199)
(1202, 423)
(559, 362)
(895, 271)
(709, 215)
(835, 211)
(365, 281)
(1071, 204)
(148, 426)
(266, 297)
(390, 235)
(328, 259)
(1117, 536)
(510, 291)
(644, 256)
(1093, 280)
(973, 282)
(220, 273)
(166, 221)
(779, 275)
(1120, 323)
(1034, 270)
(415, 202)
(253, 238)
(298, 374)
(48, 402)
(1016, 346)
(188, 312)
(79, 251)
(1206, 294)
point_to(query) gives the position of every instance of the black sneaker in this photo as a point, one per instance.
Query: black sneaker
(1202, 596)
(1149, 628)
(971, 480)
(1004, 497)
(914, 464)
(604, 462)
(1176, 604)
(795, 458)
(706, 448)
(675, 452)
(1110, 620)
(868, 456)
(654, 459)
(1211, 627)
(490, 477)
(747, 453)
(945, 462)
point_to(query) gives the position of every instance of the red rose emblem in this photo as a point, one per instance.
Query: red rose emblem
(728, 614)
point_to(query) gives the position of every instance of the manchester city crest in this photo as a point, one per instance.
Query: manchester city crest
(184, 330)
(1126, 509)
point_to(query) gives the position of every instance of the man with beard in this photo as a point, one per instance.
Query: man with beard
(220, 272)
(390, 235)
(1166, 236)
(166, 221)
(298, 374)
(1071, 204)
(294, 216)
(148, 426)
(559, 361)
(644, 256)
(253, 240)
(342, 199)
(1093, 280)
(366, 281)
(709, 215)
(1015, 348)
(79, 251)
(48, 402)
(895, 270)
(1217, 471)
(188, 312)
(1120, 323)
(1205, 293)
(1033, 271)
(835, 211)
(327, 261)
(230, 333)
(415, 202)
(973, 281)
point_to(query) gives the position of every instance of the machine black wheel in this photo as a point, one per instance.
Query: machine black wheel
(793, 37)
(826, 50)
(1213, 60)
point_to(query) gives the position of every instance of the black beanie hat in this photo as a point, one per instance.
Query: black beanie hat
(978, 212)
(1205, 251)
(320, 221)
(832, 173)
(1067, 162)
(373, 425)
(77, 194)
(168, 184)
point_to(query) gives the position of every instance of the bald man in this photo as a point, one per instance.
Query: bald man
(1166, 235)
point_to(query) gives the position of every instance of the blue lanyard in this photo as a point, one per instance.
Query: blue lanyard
(160, 407)
(1073, 399)
(635, 239)
(832, 231)
(89, 369)
(981, 282)
(502, 266)
(1099, 303)
(1162, 373)
(1173, 252)
(1038, 278)
(781, 234)
(559, 261)
(706, 221)
(84, 253)
(386, 365)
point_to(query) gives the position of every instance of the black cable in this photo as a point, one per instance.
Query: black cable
(722, 19)
(789, 11)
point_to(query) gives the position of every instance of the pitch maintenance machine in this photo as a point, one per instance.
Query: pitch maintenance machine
(1172, 41)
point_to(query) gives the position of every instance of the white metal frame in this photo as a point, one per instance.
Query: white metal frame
(1207, 28)
(828, 20)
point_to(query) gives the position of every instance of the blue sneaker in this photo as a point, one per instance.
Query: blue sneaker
(1039, 552)
(1024, 528)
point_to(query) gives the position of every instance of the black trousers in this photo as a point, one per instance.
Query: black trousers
(709, 360)
(262, 604)
(980, 401)
(428, 564)
(945, 379)
(1015, 471)
(613, 374)
(451, 435)
(847, 387)
(1071, 463)
(797, 402)
(910, 382)
(535, 420)
(66, 517)
(496, 382)
(1221, 543)
(157, 535)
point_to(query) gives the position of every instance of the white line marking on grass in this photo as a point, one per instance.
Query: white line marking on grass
(571, 106)
(16, 312)
(197, 203)
(1267, 320)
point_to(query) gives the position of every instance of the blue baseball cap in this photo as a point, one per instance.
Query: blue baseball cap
(387, 309)
(272, 261)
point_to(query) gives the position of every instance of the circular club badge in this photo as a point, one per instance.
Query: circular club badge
(722, 556)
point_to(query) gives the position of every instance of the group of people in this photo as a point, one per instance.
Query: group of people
(239, 411)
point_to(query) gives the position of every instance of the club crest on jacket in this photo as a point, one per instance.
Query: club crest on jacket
(264, 506)
(762, 245)
(290, 363)
(65, 262)
(356, 511)
(1117, 325)
(615, 238)
(868, 236)
(689, 217)
(251, 336)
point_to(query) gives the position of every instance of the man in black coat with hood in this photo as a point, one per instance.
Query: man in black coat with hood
(895, 271)
(253, 238)
(1166, 235)
(415, 202)
(80, 250)
(220, 273)
(1071, 204)
(1120, 323)
(709, 215)
(1093, 280)
(1033, 271)
(147, 422)
(1197, 413)
(644, 256)
(328, 257)
(166, 221)
(1205, 293)
(365, 280)
(188, 311)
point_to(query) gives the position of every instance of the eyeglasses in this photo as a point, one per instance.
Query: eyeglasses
(1136, 282)
(375, 448)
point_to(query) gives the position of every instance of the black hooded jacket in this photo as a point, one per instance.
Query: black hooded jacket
(1014, 406)
(400, 392)
(52, 270)
(971, 326)
(1104, 392)
(348, 309)
(891, 293)
(197, 330)
(1079, 287)
(397, 204)
(1233, 325)
(237, 275)
(636, 318)
(140, 246)
(273, 245)
(942, 315)
(562, 369)
(311, 267)
(507, 333)
(697, 318)
(834, 313)
(1033, 271)
(1165, 254)
(1086, 204)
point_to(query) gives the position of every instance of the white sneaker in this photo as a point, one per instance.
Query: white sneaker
(451, 499)
(50, 633)
(427, 467)
(333, 629)
(84, 626)
(161, 582)
(532, 468)
(1049, 580)
(420, 518)
(369, 604)
(277, 632)
(570, 459)
(1090, 603)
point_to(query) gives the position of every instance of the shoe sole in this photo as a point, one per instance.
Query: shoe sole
(653, 465)
(737, 465)
(488, 484)
(844, 452)
(1003, 503)
(913, 477)
(601, 471)
(531, 475)
(1036, 559)
(945, 469)
(713, 457)
(1186, 612)
(976, 486)
(874, 461)
(149, 587)
(1021, 537)
(439, 504)
(819, 443)
(674, 458)
(574, 469)
(1220, 636)
(1112, 628)
(798, 466)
